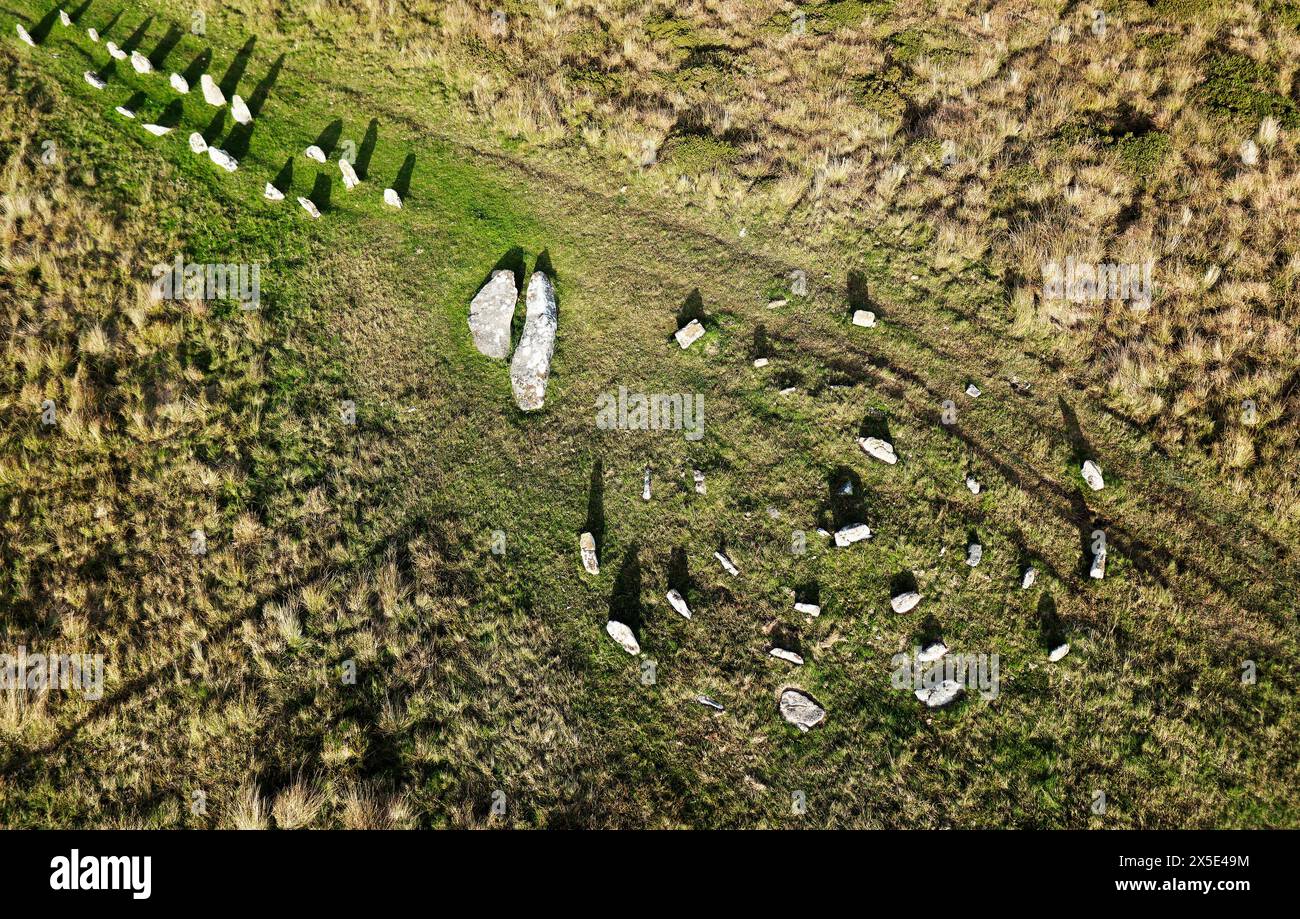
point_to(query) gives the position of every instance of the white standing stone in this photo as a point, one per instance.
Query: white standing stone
(905, 602)
(587, 549)
(94, 80)
(705, 700)
(800, 710)
(1092, 475)
(491, 312)
(808, 609)
(1098, 569)
(851, 534)
(115, 52)
(309, 206)
(23, 35)
(787, 656)
(623, 635)
(941, 695)
(94, 35)
(700, 487)
(179, 83)
(973, 391)
(689, 334)
(1058, 652)
(314, 153)
(678, 602)
(64, 18)
(239, 109)
(879, 449)
(124, 112)
(350, 180)
(157, 130)
(1031, 575)
(974, 554)
(197, 143)
(864, 318)
(726, 564)
(140, 63)
(932, 652)
(392, 198)
(645, 485)
(212, 93)
(760, 363)
(272, 193)
(530, 369)
(223, 159)
(973, 484)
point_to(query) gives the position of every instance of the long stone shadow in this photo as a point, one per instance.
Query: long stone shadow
(402, 184)
(235, 72)
(42, 29)
(164, 48)
(595, 522)
(133, 40)
(198, 67)
(367, 150)
(625, 600)
(263, 89)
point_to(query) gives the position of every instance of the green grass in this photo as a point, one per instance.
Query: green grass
(479, 671)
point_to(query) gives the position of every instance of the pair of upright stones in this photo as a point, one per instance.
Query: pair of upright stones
(490, 314)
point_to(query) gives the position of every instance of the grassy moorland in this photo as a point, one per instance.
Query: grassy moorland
(372, 544)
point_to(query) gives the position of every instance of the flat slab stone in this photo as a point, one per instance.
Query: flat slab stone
(760, 362)
(705, 700)
(530, 369)
(973, 391)
(491, 312)
(689, 334)
(808, 609)
(946, 692)
(587, 549)
(879, 449)
(851, 534)
(800, 710)
(788, 656)
(905, 602)
(623, 635)
(864, 318)
(726, 564)
(678, 602)
(1092, 475)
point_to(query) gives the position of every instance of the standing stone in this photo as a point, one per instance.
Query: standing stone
(678, 602)
(491, 312)
(623, 635)
(314, 153)
(974, 554)
(932, 652)
(726, 564)
(864, 318)
(882, 450)
(905, 602)
(140, 63)
(531, 367)
(157, 130)
(114, 51)
(239, 109)
(212, 93)
(197, 143)
(272, 193)
(587, 548)
(973, 391)
(64, 18)
(1031, 575)
(23, 35)
(645, 485)
(124, 111)
(392, 198)
(1058, 652)
(808, 609)
(179, 83)
(689, 334)
(787, 656)
(1092, 475)
(800, 710)
(973, 484)
(350, 179)
(94, 35)
(221, 158)
(700, 487)
(1098, 569)
(94, 80)
(851, 534)
(310, 207)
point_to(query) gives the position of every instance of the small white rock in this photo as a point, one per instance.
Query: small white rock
(392, 198)
(776, 304)
(1058, 652)
(197, 143)
(864, 318)
(974, 554)
(726, 564)
(645, 485)
(1098, 569)
(941, 695)
(314, 153)
(882, 450)
(678, 602)
(93, 80)
(223, 159)
(973, 391)
(808, 609)
(905, 602)
(212, 93)
(689, 334)
(587, 549)
(272, 193)
(309, 206)
(350, 180)
(851, 534)
(788, 656)
(800, 710)
(700, 487)
(1092, 475)
(179, 83)
(705, 700)
(973, 484)
(623, 635)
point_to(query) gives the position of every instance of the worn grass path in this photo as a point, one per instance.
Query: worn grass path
(1197, 580)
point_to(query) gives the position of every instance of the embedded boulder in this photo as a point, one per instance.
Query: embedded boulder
(800, 710)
